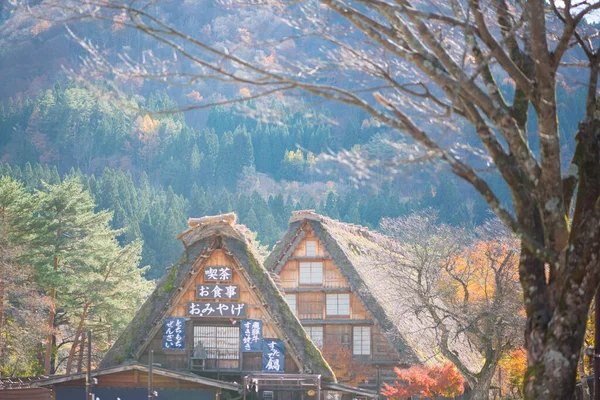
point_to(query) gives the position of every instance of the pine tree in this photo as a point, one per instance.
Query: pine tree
(61, 236)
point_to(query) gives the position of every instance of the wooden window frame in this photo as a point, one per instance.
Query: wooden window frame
(213, 353)
(337, 296)
(363, 343)
(310, 332)
(316, 248)
(311, 270)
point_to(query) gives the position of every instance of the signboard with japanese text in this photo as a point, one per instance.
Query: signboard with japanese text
(217, 274)
(213, 309)
(174, 333)
(218, 292)
(251, 335)
(273, 357)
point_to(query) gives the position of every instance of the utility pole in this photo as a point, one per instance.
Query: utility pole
(150, 362)
(88, 374)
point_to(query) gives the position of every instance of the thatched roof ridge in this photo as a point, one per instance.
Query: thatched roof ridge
(204, 236)
(362, 255)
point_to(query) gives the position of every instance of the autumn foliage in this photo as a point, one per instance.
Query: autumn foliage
(423, 381)
(345, 368)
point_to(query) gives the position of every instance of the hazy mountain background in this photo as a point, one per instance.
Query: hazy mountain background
(154, 171)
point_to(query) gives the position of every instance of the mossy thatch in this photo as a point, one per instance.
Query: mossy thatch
(361, 257)
(205, 235)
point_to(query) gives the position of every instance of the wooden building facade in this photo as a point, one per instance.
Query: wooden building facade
(334, 279)
(218, 313)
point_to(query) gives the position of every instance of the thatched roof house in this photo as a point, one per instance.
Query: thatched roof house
(219, 241)
(362, 258)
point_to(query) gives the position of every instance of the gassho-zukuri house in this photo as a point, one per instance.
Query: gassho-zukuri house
(216, 327)
(334, 277)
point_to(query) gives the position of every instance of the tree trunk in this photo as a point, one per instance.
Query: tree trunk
(78, 333)
(481, 388)
(50, 337)
(557, 311)
(80, 358)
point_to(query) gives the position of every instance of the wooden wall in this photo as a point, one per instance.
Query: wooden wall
(178, 359)
(311, 300)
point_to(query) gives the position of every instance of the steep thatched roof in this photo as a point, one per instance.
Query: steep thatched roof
(361, 256)
(205, 235)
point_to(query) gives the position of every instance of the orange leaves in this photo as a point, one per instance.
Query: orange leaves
(40, 27)
(480, 268)
(270, 60)
(194, 96)
(426, 382)
(345, 368)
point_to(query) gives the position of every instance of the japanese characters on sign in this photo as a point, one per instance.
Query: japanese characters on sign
(212, 309)
(251, 335)
(216, 274)
(218, 292)
(330, 395)
(174, 333)
(273, 357)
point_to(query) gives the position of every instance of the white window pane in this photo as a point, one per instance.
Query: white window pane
(344, 304)
(311, 248)
(362, 340)
(317, 272)
(305, 272)
(316, 335)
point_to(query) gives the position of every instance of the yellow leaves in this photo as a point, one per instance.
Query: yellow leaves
(478, 268)
(40, 27)
(146, 132)
(511, 370)
(245, 92)
(146, 126)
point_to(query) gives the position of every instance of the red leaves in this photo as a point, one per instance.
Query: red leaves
(426, 382)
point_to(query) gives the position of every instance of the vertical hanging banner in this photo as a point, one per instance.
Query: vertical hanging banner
(174, 333)
(273, 357)
(251, 335)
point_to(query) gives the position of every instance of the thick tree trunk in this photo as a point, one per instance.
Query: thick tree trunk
(557, 311)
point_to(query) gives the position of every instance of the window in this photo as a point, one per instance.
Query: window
(316, 335)
(361, 344)
(338, 304)
(311, 272)
(219, 342)
(311, 248)
(291, 300)
(337, 335)
(310, 305)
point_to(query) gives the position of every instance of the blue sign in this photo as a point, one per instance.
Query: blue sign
(174, 333)
(273, 357)
(251, 335)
